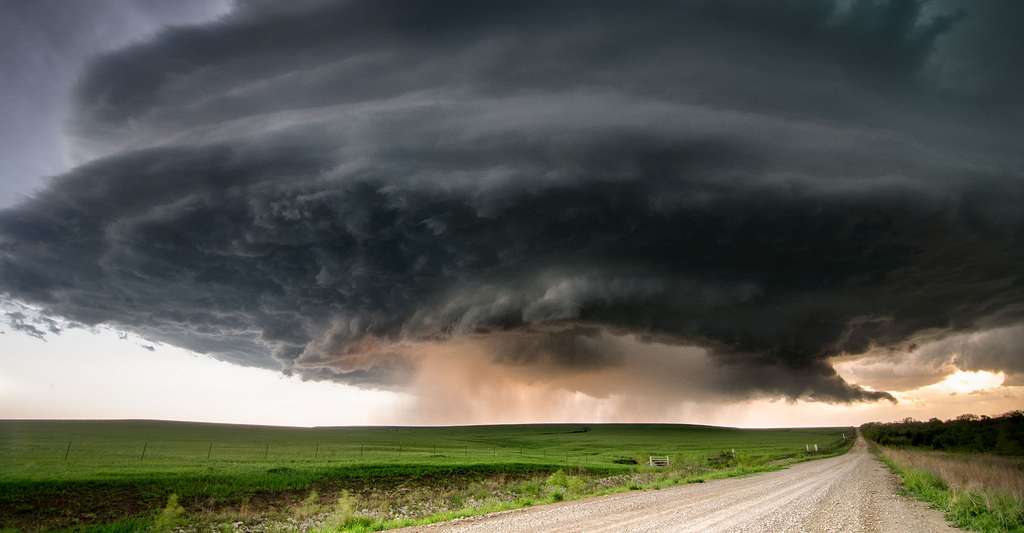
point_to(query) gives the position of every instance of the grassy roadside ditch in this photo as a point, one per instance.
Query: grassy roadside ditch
(973, 493)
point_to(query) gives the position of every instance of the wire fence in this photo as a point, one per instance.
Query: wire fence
(197, 451)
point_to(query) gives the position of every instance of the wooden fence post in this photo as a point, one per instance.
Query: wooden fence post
(67, 452)
(209, 451)
(144, 446)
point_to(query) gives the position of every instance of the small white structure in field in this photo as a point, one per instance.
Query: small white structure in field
(815, 447)
(658, 460)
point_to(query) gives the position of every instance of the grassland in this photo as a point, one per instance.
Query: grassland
(977, 492)
(77, 474)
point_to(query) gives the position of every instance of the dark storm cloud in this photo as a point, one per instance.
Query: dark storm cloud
(928, 361)
(312, 186)
(18, 322)
(43, 46)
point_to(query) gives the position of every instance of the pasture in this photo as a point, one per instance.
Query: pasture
(116, 469)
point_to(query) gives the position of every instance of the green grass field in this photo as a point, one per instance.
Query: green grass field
(67, 472)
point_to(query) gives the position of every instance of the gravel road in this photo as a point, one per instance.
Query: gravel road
(852, 492)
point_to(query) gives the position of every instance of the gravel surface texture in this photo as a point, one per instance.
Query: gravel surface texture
(850, 493)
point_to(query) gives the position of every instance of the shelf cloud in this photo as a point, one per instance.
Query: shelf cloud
(558, 190)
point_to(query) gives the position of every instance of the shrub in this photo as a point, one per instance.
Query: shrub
(576, 485)
(343, 514)
(170, 516)
(533, 488)
(558, 479)
(310, 506)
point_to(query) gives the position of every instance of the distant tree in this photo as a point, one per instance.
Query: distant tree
(1002, 434)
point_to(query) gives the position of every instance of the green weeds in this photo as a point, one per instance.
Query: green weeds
(171, 516)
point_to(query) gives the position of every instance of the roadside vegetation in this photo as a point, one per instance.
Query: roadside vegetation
(353, 479)
(1002, 435)
(978, 485)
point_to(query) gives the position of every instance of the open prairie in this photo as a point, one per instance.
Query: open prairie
(70, 472)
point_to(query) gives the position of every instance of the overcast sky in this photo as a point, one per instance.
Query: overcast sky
(403, 212)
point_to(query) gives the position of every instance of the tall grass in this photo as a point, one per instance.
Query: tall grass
(979, 493)
(978, 473)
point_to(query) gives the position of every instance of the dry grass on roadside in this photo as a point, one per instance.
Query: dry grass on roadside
(972, 472)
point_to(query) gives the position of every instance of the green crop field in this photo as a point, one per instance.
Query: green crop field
(117, 468)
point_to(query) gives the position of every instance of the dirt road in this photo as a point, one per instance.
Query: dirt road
(853, 492)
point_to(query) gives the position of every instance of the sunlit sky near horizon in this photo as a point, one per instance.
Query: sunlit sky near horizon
(360, 213)
(91, 375)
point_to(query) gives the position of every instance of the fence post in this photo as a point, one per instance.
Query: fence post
(316, 452)
(209, 451)
(67, 452)
(144, 446)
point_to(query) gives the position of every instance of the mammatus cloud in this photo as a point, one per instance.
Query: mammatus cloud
(352, 190)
